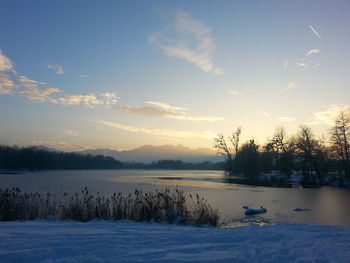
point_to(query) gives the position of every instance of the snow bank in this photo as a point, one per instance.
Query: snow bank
(124, 241)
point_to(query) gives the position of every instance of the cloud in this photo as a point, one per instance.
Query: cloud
(290, 86)
(316, 33)
(187, 39)
(5, 63)
(71, 133)
(6, 84)
(313, 51)
(12, 83)
(40, 94)
(90, 100)
(302, 65)
(57, 68)
(165, 105)
(233, 92)
(162, 110)
(286, 119)
(151, 111)
(329, 115)
(109, 98)
(60, 145)
(29, 83)
(159, 132)
(305, 64)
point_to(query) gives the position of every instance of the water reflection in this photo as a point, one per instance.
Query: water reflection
(230, 180)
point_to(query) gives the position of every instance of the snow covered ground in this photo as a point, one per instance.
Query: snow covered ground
(125, 241)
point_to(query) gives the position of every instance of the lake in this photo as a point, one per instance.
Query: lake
(328, 205)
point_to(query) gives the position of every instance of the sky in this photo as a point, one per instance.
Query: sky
(76, 75)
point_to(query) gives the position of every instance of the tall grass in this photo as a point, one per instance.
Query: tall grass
(159, 206)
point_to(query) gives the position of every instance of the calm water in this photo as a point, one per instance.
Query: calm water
(328, 205)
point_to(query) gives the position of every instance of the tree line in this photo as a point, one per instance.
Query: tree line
(34, 159)
(318, 160)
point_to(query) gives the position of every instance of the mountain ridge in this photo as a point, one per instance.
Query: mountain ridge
(150, 153)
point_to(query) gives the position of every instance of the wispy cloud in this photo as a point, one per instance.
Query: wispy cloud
(57, 68)
(328, 115)
(165, 105)
(31, 90)
(5, 63)
(162, 110)
(151, 111)
(279, 118)
(233, 92)
(71, 132)
(90, 100)
(6, 84)
(40, 94)
(314, 30)
(11, 83)
(188, 39)
(304, 63)
(159, 132)
(29, 83)
(56, 96)
(109, 98)
(313, 51)
(290, 86)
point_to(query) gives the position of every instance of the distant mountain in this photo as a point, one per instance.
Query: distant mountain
(45, 148)
(150, 153)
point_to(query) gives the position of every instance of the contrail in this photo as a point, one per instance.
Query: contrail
(313, 30)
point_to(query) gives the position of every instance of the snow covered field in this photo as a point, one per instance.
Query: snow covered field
(125, 241)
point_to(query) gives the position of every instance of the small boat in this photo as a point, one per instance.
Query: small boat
(250, 211)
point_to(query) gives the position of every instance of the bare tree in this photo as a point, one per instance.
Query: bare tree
(228, 148)
(282, 150)
(307, 145)
(340, 135)
(279, 139)
(222, 147)
(235, 139)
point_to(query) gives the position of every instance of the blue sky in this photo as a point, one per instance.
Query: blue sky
(113, 74)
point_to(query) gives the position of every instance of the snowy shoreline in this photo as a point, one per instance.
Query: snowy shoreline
(126, 241)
